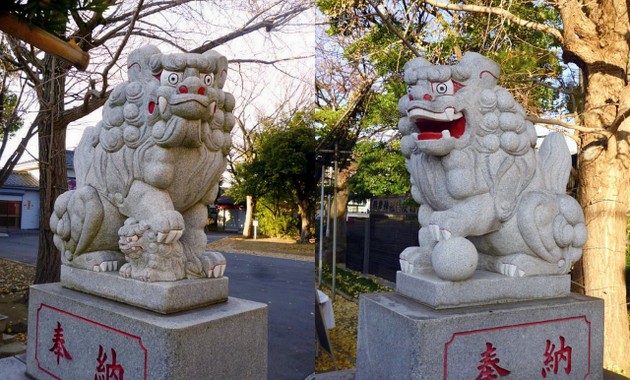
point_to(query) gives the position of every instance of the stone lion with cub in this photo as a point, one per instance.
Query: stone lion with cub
(148, 170)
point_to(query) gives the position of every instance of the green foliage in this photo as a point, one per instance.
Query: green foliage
(382, 112)
(53, 16)
(351, 283)
(10, 122)
(628, 256)
(283, 174)
(529, 59)
(277, 219)
(380, 171)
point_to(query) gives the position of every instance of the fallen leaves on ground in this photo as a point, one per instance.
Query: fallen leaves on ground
(343, 338)
(274, 247)
(15, 277)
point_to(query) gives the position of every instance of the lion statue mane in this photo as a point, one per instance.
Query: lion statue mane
(148, 170)
(488, 199)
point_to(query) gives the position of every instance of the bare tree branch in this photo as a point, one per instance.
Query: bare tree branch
(535, 119)
(264, 62)
(122, 45)
(618, 120)
(394, 30)
(499, 12)
(267, 23)
(7, 169)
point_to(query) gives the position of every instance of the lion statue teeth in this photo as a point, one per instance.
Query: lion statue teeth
(148, 170)
(488, 199)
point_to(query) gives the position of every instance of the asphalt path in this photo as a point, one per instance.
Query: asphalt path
(20, 246)
(285, 286)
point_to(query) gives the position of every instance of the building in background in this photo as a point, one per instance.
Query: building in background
(19, 202)
(19, 197)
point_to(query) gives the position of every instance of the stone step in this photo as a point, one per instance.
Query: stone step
(3, 322)
(7, 338)
(12, 349)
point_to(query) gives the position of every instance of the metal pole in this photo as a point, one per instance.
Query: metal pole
(321, 231)
(328, 215)
(334, 247)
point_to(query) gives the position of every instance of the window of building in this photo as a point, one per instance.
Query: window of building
(10, 214)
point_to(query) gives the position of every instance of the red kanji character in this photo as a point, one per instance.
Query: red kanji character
(114, 371)
(553, 358)
(489, 367)
(109, 371)
(58, 348)
(100, 368)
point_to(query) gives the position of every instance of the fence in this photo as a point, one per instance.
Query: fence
(375, 242)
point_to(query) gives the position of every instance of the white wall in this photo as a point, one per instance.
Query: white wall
(30, 210)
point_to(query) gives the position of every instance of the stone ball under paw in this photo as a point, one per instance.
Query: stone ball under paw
(454, 259)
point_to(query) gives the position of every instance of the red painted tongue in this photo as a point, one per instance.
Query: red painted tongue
(429, 136)
(432, 129)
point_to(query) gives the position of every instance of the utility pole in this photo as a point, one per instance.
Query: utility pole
(321, 230)
(336, 152)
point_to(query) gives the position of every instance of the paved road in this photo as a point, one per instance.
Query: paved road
(19, 246)
(286, 286)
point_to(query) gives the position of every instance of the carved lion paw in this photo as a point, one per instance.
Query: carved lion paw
(214, 264)
(443, 224)
(439, 234)
(169, 226)
(415, 260)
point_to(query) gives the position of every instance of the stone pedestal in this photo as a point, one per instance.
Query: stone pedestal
(402, 338)
(483, 288)
(73, 335)
(161, 297)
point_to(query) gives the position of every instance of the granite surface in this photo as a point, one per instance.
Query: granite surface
(399, 338)
(163, 297)
(74, 335)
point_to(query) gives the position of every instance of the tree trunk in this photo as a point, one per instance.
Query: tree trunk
(603, 193)
(342, 209)
(248, 226)
(52, 166)
(306, 225)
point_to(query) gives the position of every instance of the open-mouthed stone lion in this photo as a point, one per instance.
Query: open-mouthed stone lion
(488, 199)
(148, 170)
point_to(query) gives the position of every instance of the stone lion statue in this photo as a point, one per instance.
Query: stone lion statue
(148, 170)
(488, 199)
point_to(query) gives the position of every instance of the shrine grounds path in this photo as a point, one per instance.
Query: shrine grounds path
(285, 285)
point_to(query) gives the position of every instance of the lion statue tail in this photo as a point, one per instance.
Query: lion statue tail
(75, 221)
(554, 160)
(551, 222)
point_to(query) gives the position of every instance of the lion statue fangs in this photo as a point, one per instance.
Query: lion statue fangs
(148, 170)
(488, 199)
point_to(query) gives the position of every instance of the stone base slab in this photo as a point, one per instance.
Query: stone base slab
(399, 338)
(482, 288)
(72, 335)
(161, 297)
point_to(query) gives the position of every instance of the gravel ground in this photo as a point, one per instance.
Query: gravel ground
(15, 278)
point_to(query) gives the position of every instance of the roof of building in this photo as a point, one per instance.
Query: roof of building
(22, 180)
(34, 164)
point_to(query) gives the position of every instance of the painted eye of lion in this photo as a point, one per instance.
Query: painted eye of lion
(446, 88)
(443, 88)
(208, 79)
(173, 78)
